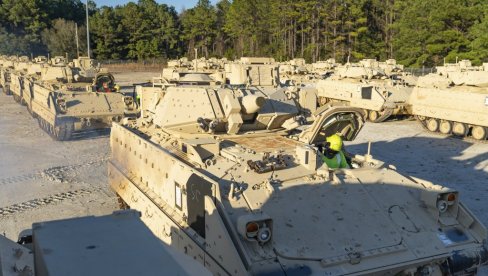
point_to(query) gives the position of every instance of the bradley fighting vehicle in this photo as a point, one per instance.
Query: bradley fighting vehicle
(17, 78)
(104, 245)
(5, 70)
(234, 178)
(32, 74)
(454, 100)
(177, 71)
(68, 98)
(381, 90)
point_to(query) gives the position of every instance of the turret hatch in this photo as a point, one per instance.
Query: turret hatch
(346, 121)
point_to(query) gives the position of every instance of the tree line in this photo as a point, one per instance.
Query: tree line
(415, 32)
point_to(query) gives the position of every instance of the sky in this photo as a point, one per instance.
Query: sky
(178, 4)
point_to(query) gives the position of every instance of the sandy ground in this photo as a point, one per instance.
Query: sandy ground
(42, 179)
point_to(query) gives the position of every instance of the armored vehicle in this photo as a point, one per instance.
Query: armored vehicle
(5, 70)
(104, 245)
(252, 71)
(32, 74)
(324, 67)
(366, 85)
(17, 78)
(453, 101)
(297, 72)
(235, 179)
(66, 100)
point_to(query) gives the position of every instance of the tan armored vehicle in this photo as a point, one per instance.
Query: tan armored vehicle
(366, 85)
(324, 67)
(182, 62)
(105, 245)
(32, 74)
(66, 99)
(234, 178)
(5, 70)
(17, 78)
(253, 71)
(461, 66)
(297, 73)
(453, 101)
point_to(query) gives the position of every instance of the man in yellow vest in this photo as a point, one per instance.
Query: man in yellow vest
(334, 155)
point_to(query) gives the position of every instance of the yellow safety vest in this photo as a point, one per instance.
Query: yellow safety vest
(337, 162)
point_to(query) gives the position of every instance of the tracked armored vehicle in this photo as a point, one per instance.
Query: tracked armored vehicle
(17, 78)
(68, 98)
(454, 101)
(104, 245)
(366, 85)
(5, 70)
(234, 178)
(252, 71)
(32, 74)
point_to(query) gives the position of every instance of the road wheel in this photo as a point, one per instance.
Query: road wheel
(479, 132)
(460, 129)
(373, 115)
(445, 127)
(433, 125)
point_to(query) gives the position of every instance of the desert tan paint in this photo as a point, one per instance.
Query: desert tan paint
(212, 176)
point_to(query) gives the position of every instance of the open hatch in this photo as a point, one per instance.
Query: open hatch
(344, 120)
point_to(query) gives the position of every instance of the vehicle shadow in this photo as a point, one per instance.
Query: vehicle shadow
(445, 161)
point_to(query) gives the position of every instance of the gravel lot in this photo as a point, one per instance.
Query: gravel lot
(42, 179)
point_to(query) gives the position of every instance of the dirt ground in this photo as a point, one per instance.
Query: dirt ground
(42, 179)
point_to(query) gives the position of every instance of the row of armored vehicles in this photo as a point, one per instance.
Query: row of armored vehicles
(234, 175)
(65, 97)
(451, 101)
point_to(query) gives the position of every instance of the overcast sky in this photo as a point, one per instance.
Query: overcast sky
(178, 4)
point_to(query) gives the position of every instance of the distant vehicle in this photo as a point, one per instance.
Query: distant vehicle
(454, 101)
(381, 89)
(67, 98)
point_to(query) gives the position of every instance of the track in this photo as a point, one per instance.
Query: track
(40, 202)
(53, 174)
(60, 132)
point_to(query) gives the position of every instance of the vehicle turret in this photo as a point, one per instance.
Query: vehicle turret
(253, 71)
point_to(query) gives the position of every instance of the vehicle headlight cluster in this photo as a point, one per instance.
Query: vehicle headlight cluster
(256, 227)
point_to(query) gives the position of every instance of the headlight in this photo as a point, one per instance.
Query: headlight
(264, 234)
(441, 201)
(442, 206)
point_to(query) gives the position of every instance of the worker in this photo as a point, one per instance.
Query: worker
(105, 87)
(334, 155)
